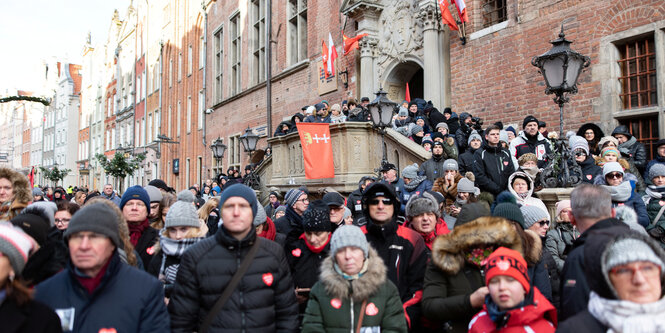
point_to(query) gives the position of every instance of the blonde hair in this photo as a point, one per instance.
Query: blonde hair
(168, 199)
(123, 229)
(205, 210)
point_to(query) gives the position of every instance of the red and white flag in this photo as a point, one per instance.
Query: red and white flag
(461, 10)
(446, 15)
(324, 55)
(316, 150)
(332, 56)
(351, 43)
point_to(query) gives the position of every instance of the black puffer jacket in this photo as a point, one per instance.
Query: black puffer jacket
(492, 167)
(589, 170)
(631, 149)
(263, 301)
(465, 161)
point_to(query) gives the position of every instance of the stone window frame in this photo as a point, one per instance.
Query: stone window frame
(218, 44)
(478, 20)
(258, 42)
(607, 72)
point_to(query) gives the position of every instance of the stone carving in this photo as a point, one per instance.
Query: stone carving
(402, 31)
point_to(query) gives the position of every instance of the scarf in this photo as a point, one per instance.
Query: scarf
(523, 196)
(621, 192)
(497, 315)
(352, 277)
(136, 230)
(655, 192)
(532, 172)
(269, 231)
(275, 204)
(628, 144)
(479, 255)
(90, 283)
(626, 316)
(315, 249)
(414, 183)
(174, 248)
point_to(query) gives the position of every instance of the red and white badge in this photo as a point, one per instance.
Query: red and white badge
(540, 152)
(505, 163)
(150, 250)
(336, 303)
(107, 330)
(661, 202)
(296, 252)
(371, 309)
(589, 177)
(267, 279)
(503, 265)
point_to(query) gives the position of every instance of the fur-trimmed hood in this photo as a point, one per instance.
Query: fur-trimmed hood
(448, 251)
(363, 287)
(521, 174)
(20, 184)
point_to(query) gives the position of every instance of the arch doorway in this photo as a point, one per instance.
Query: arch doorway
(407, 72)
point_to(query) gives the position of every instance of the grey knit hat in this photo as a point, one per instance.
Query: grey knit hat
(98, 218)
(37, 191)
(658, 169)
(421, 204)
(15, 245)
(317, 217)
(415, 129)
(292, 196)
(578, 142)
(503, 136)
(260, 217)
(442, 124)
(182, 213)
(466, 186)
(348, 235)
(533, 214)
(403, 112)
(610, 167)
(474, 136)
(154, 193)
(629, 250)
(450, 164)
(410, 171)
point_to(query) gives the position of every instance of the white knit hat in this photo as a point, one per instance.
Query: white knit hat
(182, 213)
(15, 245)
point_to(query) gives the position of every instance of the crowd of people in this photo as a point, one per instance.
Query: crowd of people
(460, 243)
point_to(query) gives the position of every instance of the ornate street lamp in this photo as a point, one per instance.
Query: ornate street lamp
(382, 109)
(249, 140)
(218, 148)
(561, 67)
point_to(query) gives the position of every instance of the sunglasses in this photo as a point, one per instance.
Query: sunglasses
(543, 223)
(614, 175)
(385, 201)
(580, 153)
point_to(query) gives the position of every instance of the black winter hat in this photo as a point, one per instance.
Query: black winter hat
(381, 189)
(33, 225)
(659, 143)
(472, 211)
(317, 217)
(160, 184)
(529, 119)
(448, 110)
(622, 129)
(333, 199)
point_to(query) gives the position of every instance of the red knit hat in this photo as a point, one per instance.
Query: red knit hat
(505, 261)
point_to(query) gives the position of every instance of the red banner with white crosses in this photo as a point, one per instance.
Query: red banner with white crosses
(316, 150)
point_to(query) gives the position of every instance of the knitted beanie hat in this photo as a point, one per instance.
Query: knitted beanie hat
(442, 125)
(610, 150)
(529, 119)
(317, 217)
(658, 169)
(403, 112)
(15, 245)
(182, 213)
(135, 192)
(511, 129)
(421, 204)
(292, 196)
(242, 191)
(466, 186)
(450, 164)
(629, 250)
(578, 142)
(37, 191)
(348, 235)
(427, 139)
(504, 261)
(474, 136)
(33, 225)
(607, 139)
(472, 211)
(154, 193)
(98, 218)
(503, 136)
(610, 167)
(533, 214)
(509, 211)
(416, 129)
(561, 205)
(410, 171)
(260, 217)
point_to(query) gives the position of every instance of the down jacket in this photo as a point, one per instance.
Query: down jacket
(126, 300)
(450, 279)
(538, 145)
(529, 200)
(492, 166)
(263, 301)
(334, 303)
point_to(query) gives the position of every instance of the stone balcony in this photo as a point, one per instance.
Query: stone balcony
(357, 152)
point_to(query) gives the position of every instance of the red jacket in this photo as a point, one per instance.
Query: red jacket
(540, 316)
(441, 228)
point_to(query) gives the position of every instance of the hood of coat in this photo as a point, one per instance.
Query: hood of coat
(448, 251)
(528, 181)
(21, 187)
(363, 287)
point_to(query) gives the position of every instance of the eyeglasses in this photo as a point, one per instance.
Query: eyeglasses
(303, 200)
(63, 221)
(385, 201)
(614, 175)
(543, 223)
(627, 272)
(92, 238)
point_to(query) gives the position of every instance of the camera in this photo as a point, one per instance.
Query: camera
(477, 123)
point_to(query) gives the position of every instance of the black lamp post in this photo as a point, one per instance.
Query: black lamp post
(382, 110)
(218, 148)
(561, 67)
(249, 141)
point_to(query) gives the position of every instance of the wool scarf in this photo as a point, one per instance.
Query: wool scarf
(414, 183)
(269, 231)
(136, 230)
(316, 249)
(174, 248)
(655, 192)
(626, 316)
(621, 192)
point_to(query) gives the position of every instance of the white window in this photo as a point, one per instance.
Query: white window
(201, 110)
(190, 59)
(178, 112)
(189, 114)
(259, 40)
(296, 33)
(219, 65)
(235, 55)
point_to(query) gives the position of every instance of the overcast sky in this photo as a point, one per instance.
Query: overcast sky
(33, 30)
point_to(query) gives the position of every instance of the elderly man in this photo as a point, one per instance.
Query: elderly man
(109, 193)
(135, 207)
(336, 205)
(402, 249)
(263, 301)
(591, 211)
(390, 175)
(290, 224)
(97, 292)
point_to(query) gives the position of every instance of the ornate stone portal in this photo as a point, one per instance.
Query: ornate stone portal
(401, 32)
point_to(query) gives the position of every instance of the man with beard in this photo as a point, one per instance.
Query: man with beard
(433, 168)
(492, 164)
(529, 140)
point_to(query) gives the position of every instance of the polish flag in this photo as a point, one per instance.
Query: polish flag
(332, 56)
(446, 16)
(461, 10)
(324, 55)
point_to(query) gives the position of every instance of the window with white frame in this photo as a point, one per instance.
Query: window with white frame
(218, 42)
(296, 38)
(179, 66)
(202, 52)
(201, 110)
(236, 55)
(189, 114)
(178, 112)
(259, 40)
(190, 59)
(234, 147)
